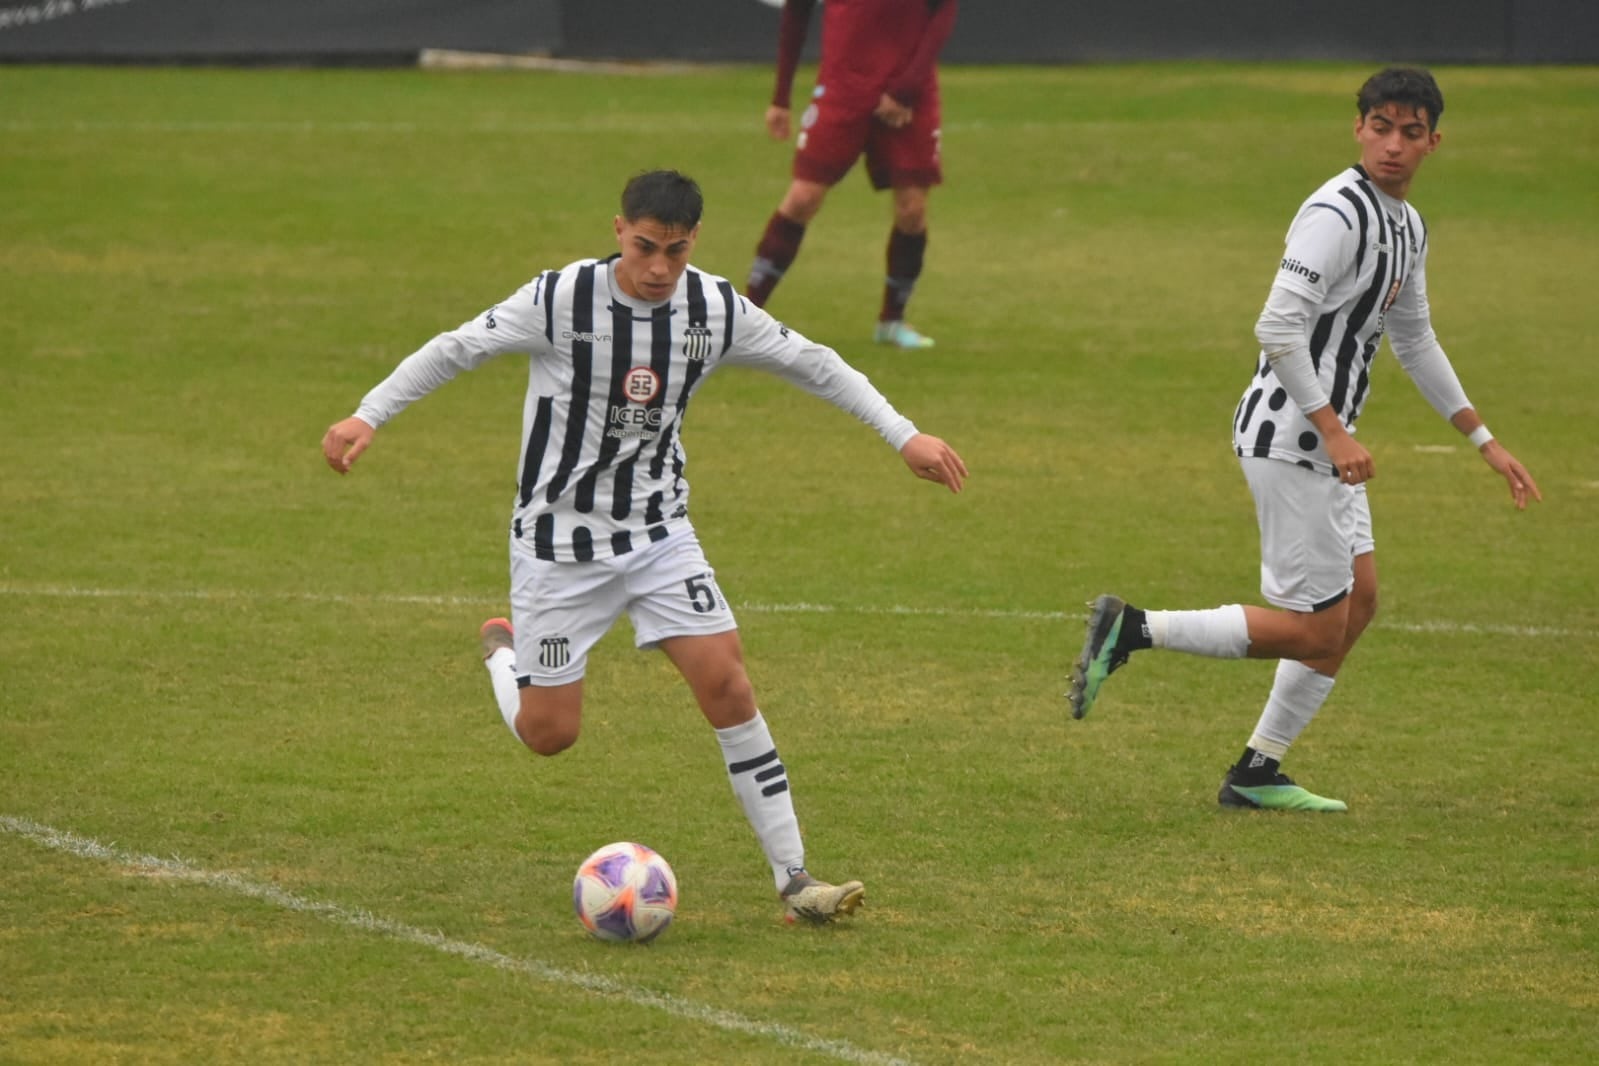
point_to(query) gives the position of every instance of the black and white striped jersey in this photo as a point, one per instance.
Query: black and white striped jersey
(1359, 256)
(601, 462)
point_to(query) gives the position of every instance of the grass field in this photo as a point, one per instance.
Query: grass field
(256, 804)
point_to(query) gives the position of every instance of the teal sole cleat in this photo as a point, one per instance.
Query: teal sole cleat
(901, 335)
(1098, 659)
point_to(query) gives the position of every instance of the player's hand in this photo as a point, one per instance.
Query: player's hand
(1522, 486)
(1352, 461)
(777, 123)
(933, 460)
(891, 113)
(344, 442)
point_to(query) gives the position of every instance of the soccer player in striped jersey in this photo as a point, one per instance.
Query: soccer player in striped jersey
(1354, 269)
(600, 523)
(876, 95)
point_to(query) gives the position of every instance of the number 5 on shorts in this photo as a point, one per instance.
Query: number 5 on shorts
(701, 593)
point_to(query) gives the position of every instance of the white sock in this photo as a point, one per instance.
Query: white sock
(761, 785)
(502, 674)
(1296, 695)
(1220, 633)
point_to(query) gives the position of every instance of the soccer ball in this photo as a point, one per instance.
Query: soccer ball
(625, 892)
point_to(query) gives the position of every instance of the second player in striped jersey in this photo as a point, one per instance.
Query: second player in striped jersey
(1353, 269)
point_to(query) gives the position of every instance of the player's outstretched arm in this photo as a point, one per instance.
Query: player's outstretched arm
(933, 460)
(1522, 486)
(344, 442)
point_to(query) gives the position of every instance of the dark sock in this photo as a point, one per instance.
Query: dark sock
(773, 256)
(1253, 768)
(905, 252)
(1134, 635)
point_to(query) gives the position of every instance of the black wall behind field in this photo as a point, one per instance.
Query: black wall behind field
(1066, 31)
(988, 31)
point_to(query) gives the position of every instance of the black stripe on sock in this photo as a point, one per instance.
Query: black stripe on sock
(750, 764)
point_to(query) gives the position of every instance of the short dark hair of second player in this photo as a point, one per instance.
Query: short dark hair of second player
(1411, 86)
(667, 196)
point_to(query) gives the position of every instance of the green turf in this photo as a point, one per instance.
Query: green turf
(214, 650)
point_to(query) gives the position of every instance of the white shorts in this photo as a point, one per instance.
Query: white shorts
(560, 610)
(1311, 528)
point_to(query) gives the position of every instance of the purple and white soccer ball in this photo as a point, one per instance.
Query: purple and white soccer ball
(625, 892)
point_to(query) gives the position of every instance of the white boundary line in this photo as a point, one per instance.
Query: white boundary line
(365, 921)
(995, 613)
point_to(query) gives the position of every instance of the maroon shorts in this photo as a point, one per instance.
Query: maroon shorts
(835, 133)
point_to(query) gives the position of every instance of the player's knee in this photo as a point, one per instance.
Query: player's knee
(551, 745)
(548, 718)
(545, 734)
(729, 699)
(1320, 636)
(802, 203)
(1320, 646)
(912, 220)
(733, 689)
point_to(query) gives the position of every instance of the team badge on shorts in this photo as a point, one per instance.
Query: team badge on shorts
(554, 652)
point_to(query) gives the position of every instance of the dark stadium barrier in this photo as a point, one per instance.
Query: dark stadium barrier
(270, 31)
(989, 31)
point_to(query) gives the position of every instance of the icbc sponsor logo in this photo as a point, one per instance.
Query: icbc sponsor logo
(635, 418)
(640, 385)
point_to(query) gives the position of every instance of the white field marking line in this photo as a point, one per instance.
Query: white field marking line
(996, 613)
(365, 921)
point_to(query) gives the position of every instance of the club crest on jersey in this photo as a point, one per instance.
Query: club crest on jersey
(697, 343)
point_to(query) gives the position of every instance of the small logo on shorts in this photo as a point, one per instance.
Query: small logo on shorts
(554, 652)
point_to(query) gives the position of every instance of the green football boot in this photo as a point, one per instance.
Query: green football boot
(1100, 656)
(1276, 793)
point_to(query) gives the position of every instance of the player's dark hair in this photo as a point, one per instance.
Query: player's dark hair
(1410, 86)
(668, 197)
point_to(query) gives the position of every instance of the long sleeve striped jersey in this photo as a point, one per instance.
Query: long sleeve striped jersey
(1359, 256)
(601, 463)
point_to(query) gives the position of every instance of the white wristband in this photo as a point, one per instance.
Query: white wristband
(1480, 436)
